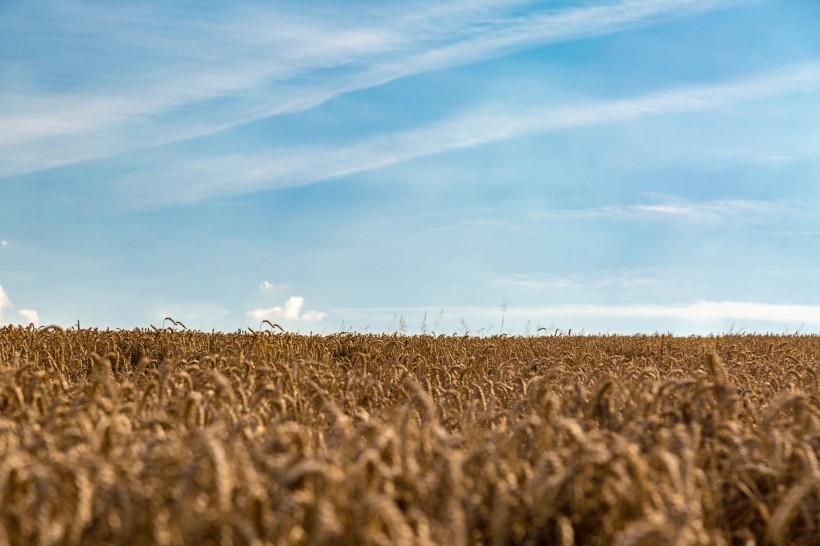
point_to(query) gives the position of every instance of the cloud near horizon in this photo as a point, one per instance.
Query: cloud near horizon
(5, 302)
(701, 312)
(291, 310)
(30, 315)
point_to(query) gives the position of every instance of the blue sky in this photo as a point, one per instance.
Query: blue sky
(610, 166)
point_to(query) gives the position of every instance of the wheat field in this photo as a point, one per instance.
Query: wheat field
(180, 437)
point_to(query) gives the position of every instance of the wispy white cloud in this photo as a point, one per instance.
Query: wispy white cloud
(30, 315)
(550, 27)
(776, 159)
(546, 283)
(286, 167)
(705, 213)
(291, 310)
(268, 286)
(275, 62)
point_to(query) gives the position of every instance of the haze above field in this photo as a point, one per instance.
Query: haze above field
(612, 166)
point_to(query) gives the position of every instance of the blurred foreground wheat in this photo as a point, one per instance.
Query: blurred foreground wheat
(163, 437)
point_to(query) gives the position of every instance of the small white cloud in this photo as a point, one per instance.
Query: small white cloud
(293, 306)
(290, 311)
(4, 301)
(314, 315)
(30, 315)
(268, 286)
(4, 243)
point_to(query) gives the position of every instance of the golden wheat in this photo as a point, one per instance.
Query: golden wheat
(166, 436)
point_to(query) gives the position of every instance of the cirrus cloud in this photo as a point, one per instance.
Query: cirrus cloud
(198, 74)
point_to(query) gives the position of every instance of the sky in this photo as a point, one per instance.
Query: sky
(449, 166)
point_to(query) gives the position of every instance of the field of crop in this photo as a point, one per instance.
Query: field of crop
(164, 437)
